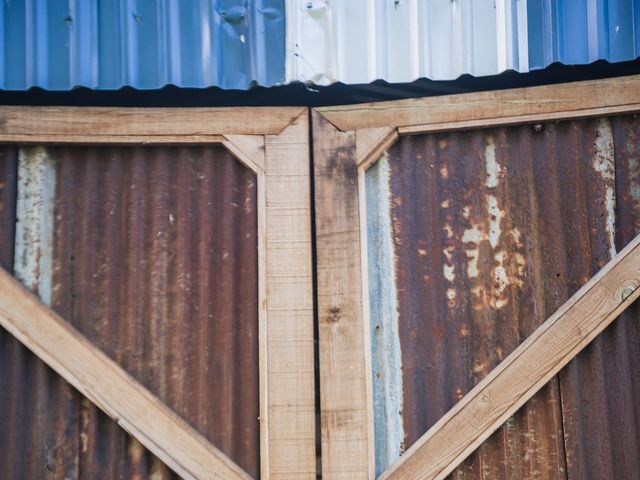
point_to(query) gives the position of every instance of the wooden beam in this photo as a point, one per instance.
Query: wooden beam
(345, 385)
(249, 149)
(512, 383)
(466, 110)
(101, 125)
(371, 143)
(107, 385)
(290, 429)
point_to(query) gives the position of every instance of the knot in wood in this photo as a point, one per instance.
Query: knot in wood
(334, 314)
(627, 291)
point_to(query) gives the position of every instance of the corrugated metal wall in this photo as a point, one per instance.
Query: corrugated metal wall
(59, 44)
(402, 40)
(492, 231)
(582, 31)
(234, 44)
(399, 41)
(153, 255)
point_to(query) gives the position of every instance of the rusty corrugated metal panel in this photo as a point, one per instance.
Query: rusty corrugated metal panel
(39, 420)
(155, 261)
(600, 389)
(493, 230)
(582, 382)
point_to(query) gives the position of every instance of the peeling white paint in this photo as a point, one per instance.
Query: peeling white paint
(383, 307)
(610, 203)
(34, 227)
(473, 254)
(604, 165)
(506, 268)
(499, 274)
(495, 218)
(449, 272)
(492, 166)
(473, 235)
(603, 162)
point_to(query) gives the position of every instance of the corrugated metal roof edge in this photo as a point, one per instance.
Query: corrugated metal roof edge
(299, 94)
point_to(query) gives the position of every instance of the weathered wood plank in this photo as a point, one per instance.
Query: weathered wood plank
(108, 386)
(466, 110)
(249, 149)
(345, 386)
(136, 125)
(525, 371)
(372, 142)
(290, 391)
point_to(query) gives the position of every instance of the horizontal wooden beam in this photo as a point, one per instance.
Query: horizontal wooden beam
(107, 385)
(98, 125)
(467, 110)
(90, 139)
(519, 376)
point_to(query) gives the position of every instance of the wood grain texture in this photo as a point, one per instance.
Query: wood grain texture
(525, 371)
(345, 386)
(109, 387)
(249, 149)
(595, 97)
(290, 392)
(372, 142)
(136, 125)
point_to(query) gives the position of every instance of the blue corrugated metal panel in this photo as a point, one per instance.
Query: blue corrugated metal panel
(59, 44)
(583, 31)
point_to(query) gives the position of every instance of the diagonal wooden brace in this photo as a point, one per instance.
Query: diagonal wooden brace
(107, 385)
(519, 376)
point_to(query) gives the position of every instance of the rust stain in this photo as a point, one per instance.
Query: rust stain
(39, 410)
(600, 387)
(156, 264)
(520, 222)
(155, 261)
(525, 217)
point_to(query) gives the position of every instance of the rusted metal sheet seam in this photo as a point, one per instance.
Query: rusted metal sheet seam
(385, 340)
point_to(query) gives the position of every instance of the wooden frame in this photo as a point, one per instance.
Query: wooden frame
(349, 139)
(273, 143)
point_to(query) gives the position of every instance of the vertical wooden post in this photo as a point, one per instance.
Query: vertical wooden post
(290, 394)
(345, 386)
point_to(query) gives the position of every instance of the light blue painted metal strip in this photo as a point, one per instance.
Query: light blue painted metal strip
(386, 357)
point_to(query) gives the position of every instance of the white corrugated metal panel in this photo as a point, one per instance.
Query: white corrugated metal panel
(358, 41)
